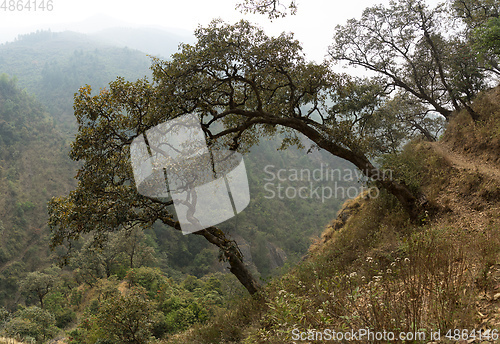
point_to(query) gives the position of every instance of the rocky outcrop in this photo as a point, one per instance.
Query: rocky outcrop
(349, 208)
(277, 257)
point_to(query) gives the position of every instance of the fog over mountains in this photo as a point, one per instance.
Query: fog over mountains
(154, 40)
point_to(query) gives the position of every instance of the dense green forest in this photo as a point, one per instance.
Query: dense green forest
(86, 259)
(34, 167)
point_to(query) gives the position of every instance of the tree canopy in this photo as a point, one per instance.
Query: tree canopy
(106, 199)
(273, 8)
(257, 85)
(40, 283)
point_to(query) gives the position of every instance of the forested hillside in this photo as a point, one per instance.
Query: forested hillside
(33, 168)
(53, 65)
(374, 200)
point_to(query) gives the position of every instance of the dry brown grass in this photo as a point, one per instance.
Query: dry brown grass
(480, 139)
(4, 340)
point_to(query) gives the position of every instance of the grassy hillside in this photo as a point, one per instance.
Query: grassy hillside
(374, 269)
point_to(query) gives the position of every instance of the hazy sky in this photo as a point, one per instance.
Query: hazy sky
(313, 25)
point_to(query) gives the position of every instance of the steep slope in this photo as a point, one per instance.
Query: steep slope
(33, 168)
(374, 270)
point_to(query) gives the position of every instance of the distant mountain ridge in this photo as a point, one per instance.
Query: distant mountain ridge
(153, 41)
(53, 65)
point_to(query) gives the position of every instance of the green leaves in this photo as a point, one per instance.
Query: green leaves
(32, 322)
(488, 37)
(126, 319)
(40, 283)
(408, 45)
(475, 12)
(106, 198)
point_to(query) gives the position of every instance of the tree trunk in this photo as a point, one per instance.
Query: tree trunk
(231, 252)
(473, 114)
(400, 191)
(438, 59)
(424, 132)
(40, 297)
(233, 256)
(409, 202)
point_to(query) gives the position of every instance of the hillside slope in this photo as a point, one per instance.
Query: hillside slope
(374, 269)
(33, 168)
(54, 65)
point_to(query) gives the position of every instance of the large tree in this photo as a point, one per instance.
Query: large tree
(257, 85)
(106, 198)
(243, 86)
(482, 26)
(419, 50)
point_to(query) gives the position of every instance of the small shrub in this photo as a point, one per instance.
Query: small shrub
(406, 167)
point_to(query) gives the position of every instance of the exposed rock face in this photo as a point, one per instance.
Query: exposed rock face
(245, 250)
(349, 208)
(277, 257)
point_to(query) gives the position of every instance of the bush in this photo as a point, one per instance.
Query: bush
(151, 279)
(406, 167)
(65, 318)
(124, 319)
(32, 322)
